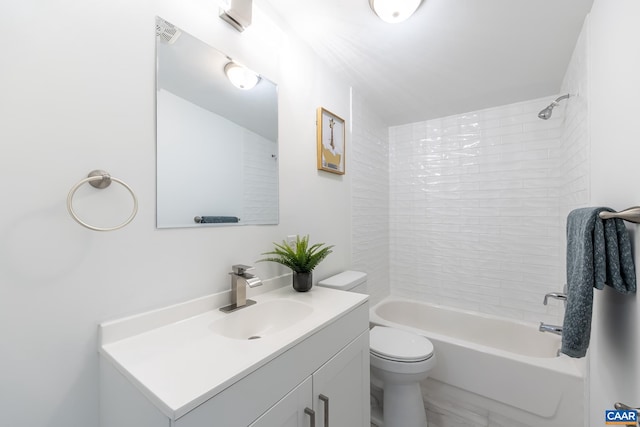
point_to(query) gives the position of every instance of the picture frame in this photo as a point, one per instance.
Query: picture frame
(331, 141)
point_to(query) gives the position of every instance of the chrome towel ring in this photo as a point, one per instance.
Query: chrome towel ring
(100, 179)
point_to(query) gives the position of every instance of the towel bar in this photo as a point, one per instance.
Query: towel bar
(622, 406)
(631, 214)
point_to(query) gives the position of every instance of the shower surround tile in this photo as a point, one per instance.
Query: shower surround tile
(475, 210)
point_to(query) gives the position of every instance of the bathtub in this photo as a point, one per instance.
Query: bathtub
(508, 362)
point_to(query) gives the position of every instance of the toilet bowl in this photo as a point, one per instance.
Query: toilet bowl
(399, 361)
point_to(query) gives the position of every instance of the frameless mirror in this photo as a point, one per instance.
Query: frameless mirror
(217, 150)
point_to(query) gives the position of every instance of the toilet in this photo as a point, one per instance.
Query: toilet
(399, 361)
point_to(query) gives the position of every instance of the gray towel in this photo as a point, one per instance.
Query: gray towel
(598, 253)
(216, 219)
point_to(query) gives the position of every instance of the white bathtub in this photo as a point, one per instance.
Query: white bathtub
(509, 362)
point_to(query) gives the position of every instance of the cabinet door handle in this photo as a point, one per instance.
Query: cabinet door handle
(325, 400)
(312, 416)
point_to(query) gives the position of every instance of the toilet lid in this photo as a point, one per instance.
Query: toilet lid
(403, 346)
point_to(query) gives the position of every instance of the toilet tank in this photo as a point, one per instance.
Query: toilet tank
(353, 281)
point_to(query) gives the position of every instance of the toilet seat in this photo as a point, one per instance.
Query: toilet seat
(399, 346)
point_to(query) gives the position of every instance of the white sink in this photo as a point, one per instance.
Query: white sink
(261, 320)
(184, 354)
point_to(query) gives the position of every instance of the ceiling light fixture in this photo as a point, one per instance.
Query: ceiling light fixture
(241, 77)
(394, 11)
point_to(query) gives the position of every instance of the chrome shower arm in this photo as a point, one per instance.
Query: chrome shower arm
(545, 114)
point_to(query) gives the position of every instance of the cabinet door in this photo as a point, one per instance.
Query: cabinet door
(341, 387)
(290, 410)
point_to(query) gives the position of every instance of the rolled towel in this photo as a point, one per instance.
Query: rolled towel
(216, 219)
(598, 253)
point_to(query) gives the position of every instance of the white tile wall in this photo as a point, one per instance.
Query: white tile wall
(369, 168)
(260, 174)
(575, 144)
(475, 210)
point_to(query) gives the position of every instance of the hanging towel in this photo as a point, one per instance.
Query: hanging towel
(598, 253)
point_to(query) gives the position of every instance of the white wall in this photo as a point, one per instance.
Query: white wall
(195, 176)
(614, 90)
(575, 153)
(369, 167)
(199, 172)
(78, 93)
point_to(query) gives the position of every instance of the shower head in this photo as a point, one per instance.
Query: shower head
(546, 113)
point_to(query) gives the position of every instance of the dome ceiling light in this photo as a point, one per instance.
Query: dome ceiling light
(394, 11)
(241, 77)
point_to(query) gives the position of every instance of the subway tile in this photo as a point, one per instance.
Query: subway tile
(474, 206)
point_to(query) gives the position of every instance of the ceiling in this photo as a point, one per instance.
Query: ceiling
(451, 57)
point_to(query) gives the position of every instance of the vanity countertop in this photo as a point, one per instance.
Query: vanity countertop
(173, 356)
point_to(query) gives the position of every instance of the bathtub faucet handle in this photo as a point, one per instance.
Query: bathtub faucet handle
(554, 329)
(555, 295)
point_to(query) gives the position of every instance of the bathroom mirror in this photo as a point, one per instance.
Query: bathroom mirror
(217, 149)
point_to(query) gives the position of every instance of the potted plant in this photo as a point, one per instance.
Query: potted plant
(299, 257)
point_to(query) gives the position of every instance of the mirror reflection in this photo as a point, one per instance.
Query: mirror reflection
(217, 150)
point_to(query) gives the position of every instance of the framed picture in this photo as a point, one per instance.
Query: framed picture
(331, 143)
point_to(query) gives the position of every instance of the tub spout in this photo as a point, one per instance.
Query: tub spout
(550, 328)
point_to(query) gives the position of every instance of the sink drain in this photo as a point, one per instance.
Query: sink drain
(255, 337)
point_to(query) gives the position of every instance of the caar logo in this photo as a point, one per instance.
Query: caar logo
(621, 417)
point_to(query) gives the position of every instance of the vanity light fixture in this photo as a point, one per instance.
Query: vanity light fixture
(394, 11)
(237, 13)
(241, 77)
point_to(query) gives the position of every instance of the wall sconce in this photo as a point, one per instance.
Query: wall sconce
(241, 77)
(394, 11)
(237, 13)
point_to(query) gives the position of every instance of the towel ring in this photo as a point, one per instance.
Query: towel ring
(100, 179)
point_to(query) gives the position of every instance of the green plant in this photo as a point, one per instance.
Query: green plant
(300, 257)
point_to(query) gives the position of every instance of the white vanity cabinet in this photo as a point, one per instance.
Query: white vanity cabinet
(337, 394)
(341, 387)
(319, 365)
(294, 410)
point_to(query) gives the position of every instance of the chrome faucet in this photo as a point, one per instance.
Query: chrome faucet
(555, 295)
(550, 328)
(240, 279)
